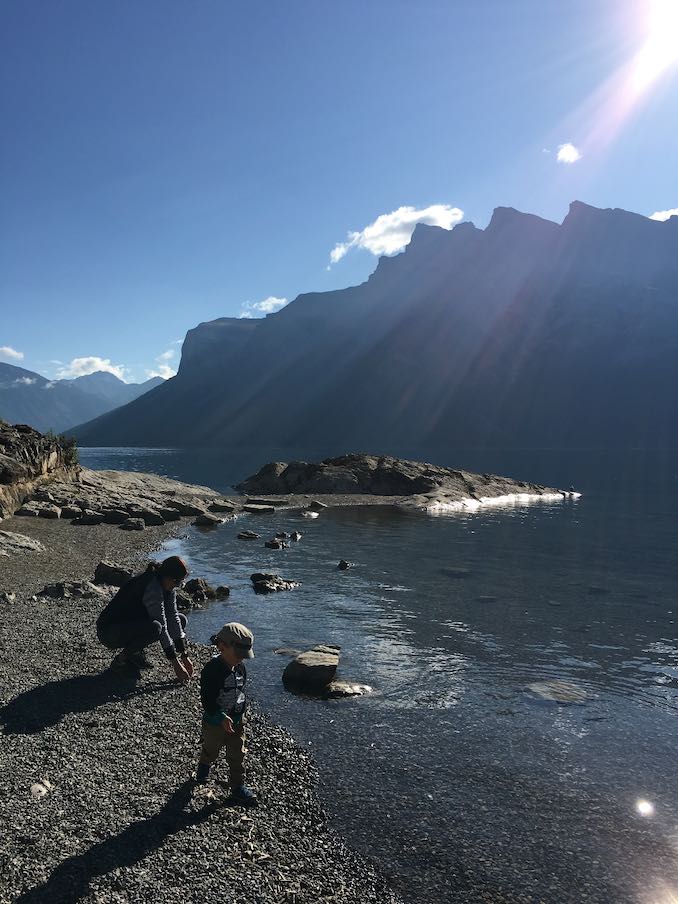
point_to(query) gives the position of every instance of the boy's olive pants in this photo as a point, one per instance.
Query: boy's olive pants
(214, 738)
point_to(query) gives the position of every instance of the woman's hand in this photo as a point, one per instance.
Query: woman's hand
(227, 725)
(187, 664)
(180, 671)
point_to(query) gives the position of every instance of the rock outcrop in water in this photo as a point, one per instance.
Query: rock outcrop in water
(420, 484)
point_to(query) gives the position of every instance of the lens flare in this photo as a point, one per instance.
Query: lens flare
(660, 50)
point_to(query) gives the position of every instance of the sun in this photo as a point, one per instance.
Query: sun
(660, 50)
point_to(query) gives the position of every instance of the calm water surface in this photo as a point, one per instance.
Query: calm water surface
(459, 775)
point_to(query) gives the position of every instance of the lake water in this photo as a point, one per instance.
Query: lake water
(460, 776)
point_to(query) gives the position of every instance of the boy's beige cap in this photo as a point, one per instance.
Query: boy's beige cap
(236, 635)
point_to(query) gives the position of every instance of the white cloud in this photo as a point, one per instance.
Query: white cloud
(568, 153)
(80, 367)
(267, 306)
(390, 232)
(163, 369)
(664, 215)
(25, 381)
(7, 353)
(50, 385)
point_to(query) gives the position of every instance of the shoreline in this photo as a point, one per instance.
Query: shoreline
(116, 820)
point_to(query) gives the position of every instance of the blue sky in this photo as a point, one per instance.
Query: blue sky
(165, 163)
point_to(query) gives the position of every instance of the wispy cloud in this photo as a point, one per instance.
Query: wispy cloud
(568, 153)
(391, 232)
(80, 367)
(163, 368)
(267, 306)
(25, 381)
(10, 354)
(664, 215)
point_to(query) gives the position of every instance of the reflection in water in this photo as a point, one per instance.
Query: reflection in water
(485, 783)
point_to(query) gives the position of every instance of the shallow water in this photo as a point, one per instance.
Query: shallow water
(461, 775)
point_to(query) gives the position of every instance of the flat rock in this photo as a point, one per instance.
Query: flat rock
(64, 590)
(207, 520)
(248, 535)
(11, 543)
(257, 509)
(221, 505)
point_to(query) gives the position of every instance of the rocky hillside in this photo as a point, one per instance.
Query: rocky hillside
(526, 334)
(27, 459)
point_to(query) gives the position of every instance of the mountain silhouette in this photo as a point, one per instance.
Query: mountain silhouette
(526, 334)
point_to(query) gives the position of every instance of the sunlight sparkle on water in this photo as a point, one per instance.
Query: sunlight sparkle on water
(644, 807)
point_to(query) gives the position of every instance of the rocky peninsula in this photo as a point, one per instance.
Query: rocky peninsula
(407, 484)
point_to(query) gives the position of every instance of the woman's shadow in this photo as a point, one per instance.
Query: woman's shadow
(33, 711)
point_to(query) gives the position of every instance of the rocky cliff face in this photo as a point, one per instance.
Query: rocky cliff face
(27, 459)
(525, 334)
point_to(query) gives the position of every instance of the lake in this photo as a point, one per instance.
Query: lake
(462, 775)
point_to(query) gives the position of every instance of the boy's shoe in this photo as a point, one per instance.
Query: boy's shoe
(202, 773)
(244, 796)
(139, 659)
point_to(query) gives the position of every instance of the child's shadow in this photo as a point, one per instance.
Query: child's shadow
(37, 709)
(71, 879)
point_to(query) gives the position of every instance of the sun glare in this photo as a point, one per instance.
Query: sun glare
(660, 50)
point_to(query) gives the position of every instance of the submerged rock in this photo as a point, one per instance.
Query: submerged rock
(248, 535)
(339, 688)
(557, 691)
(344, 565)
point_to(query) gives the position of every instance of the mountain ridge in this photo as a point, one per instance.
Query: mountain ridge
(526, 333)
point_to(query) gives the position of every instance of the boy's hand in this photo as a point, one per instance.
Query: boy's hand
(227, 725)
(180, 671)
(187, 664)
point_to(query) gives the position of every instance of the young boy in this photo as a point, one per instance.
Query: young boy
(222, 691)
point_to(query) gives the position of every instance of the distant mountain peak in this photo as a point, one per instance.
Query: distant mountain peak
(504, 218)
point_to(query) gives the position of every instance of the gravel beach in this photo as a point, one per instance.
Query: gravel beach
(96, 802)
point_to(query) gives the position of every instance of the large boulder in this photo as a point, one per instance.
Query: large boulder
(89, 517)
(207, 520)
(313, 670)
(108, 573)
(133, 524)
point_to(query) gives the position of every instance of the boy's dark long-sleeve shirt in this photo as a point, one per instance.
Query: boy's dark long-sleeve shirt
(222, 691)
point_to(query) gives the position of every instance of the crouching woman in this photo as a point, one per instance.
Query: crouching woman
(144, 611)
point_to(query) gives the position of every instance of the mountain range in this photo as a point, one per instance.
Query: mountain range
(527, 334)
(29, 398)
